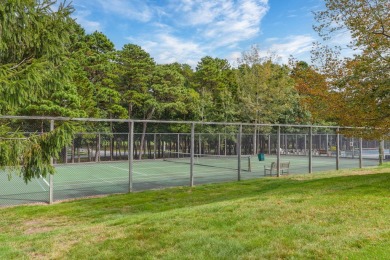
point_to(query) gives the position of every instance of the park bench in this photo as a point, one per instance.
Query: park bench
(284, 167)
(323, 152)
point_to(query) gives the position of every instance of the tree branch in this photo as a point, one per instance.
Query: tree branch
(382, 32)
(20, 63)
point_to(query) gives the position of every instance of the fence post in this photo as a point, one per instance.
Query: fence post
(219, 144)
(51, 190)
(381, 151)
(278, 153)
(178, 144)
(239, 153)
(200, 144)
(269, 144)
(255, 141)
(192, 155)
(310, 149)
(155, 145)
(131, 154)
(286, 144)
(337, 149)
(225, 141)
(360, 152)
(327, 145)
(97, 157)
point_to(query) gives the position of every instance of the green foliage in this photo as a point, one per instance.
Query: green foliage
(168, 94)
(33, 42)
(360, 85)
(30, 157)
(36, 79)
(94, 54)
(49, 66)
(215, 83)
(135, 70)
(266, 89)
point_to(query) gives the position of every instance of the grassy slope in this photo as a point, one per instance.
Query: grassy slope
(333, 215)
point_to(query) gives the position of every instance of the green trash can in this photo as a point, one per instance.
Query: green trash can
(260, 156)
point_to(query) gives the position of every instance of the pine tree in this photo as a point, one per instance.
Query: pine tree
(34, 66)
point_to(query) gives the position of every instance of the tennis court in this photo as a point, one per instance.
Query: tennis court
(91, 179)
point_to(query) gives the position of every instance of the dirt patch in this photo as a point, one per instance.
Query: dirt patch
(37, 230)
(37, 226)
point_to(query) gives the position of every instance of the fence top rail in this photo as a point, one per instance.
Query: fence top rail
(187, 133)
(168, 122)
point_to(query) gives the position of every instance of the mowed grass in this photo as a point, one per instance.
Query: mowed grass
(344, 214)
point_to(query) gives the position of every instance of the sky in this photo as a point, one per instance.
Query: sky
(184, 31)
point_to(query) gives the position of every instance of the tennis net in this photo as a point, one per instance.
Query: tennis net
(219, 161)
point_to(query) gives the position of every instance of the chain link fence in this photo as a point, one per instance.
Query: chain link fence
(108, 156)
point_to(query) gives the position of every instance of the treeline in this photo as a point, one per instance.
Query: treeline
(51, 67)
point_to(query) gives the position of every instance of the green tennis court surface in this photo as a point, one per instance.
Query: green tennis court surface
(91, 179)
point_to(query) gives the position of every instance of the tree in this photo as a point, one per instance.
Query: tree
(192, 98)
(32, 47)
(135, 68)
(96, 75)
(265, 88)
(359, 86)
(166, 96)
(313, 92)
(214, 81)
(95, 54)
(33, 63)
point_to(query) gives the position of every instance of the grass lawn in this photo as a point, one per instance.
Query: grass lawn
(344, 214)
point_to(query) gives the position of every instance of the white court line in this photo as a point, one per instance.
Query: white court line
(41, 185)
(44, 180)
(89, 179)
(103, 180)
(82, 184)
(123, 169)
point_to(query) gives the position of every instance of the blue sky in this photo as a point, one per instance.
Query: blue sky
(187, 30)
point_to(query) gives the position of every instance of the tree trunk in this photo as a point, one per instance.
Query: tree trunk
(97, 152)
(141, 145)
(144, 125)
(89, 152)
(111, 139)
(73, 151)
(381, 152)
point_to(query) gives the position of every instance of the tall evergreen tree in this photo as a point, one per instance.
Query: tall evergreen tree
(34, 38)
(214, 81)
(135, 70)
(96, 56)
(33, 51)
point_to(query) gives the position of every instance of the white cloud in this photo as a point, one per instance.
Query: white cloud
(341, 39)
(223, 22)
(89, 26)
(296, 45)
(133, 10)
(233, 58)
(165, 48)
(187, 30)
